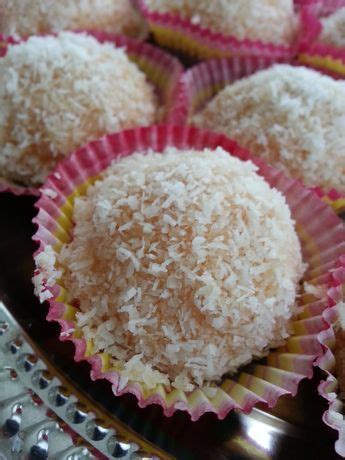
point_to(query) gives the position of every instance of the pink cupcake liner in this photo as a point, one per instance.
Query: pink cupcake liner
(328, 388)
(312, 53)
(333, 198)
(322, 238)
(17, 190)
(172, 31)
(203, 81)
(162, 70)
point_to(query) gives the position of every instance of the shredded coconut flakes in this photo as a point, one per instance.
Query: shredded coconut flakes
(203, 292)
(267, 20)
(28, 17)
(57, 93)
(292, 117)
(49, 192)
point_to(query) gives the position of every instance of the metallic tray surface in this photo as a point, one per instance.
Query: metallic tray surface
(293, 429)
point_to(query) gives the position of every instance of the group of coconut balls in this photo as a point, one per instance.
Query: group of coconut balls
(59, 91)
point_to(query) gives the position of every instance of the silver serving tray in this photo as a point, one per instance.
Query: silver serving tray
(81, 419)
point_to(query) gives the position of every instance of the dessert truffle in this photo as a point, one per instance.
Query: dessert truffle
(265, 20)
(333, 28)
(27, 17)
(57, 93)
(292, 117)
(185, 266)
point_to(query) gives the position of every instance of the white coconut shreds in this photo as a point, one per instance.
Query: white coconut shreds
(292, 117)
(57, 93)
(185, 265)
(333, 28)
(46, 274)
(267, 20)
(28, 17)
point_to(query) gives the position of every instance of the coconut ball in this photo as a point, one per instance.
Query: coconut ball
(266, 20)
(292, 117)
(185, 266)
(27, 17)
(58, 93)
(333, 28)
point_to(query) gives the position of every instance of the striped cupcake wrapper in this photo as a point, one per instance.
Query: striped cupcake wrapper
(329, 388)
(333, 198)
(163, 71)
(326, 58)
(322, 238)
(196, 42)
(18, 190)
(203, 81)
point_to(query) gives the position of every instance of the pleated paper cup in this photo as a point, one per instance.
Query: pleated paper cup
(327, 58)
(163, 71)
(329, 339)
(202, 82)
(322, 239)
(333, 198)
(16, 189)
(196, 42)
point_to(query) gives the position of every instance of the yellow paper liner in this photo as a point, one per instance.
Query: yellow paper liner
(327, 58)
(331, 339)
(172, 31)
